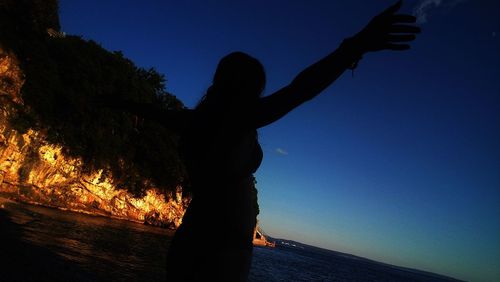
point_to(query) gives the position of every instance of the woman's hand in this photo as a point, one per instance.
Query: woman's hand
(387, 31)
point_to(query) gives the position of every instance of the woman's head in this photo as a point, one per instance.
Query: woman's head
(239, 79)
(240, 73)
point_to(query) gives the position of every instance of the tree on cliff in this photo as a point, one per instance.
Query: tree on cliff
(64, 76)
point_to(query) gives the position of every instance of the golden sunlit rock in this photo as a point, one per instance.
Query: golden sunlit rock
(33, 170)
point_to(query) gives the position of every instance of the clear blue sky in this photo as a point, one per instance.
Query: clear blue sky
(400, 163)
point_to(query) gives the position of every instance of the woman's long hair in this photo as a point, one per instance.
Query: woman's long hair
(238, 82)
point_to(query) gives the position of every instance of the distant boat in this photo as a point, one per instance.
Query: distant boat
(259, 239)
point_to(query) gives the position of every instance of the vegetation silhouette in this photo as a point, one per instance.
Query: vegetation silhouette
(220, 148)
(64, 78)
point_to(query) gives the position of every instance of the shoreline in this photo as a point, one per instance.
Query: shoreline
(76, 211)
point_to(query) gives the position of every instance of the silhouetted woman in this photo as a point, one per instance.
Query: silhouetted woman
(221, 151)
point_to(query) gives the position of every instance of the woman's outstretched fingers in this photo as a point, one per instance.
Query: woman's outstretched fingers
(400, 37)
(402, 18)
(400, 28)
(393, 9)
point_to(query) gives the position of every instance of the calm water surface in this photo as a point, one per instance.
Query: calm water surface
(43, 244)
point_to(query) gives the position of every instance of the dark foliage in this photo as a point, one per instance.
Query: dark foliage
(64, 78)
(29, 16)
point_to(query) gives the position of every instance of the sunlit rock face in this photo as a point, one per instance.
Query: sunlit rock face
(35, 171)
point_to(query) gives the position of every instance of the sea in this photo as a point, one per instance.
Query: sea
(45, 244)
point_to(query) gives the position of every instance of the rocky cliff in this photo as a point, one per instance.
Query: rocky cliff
(35, 165)
(35, 171)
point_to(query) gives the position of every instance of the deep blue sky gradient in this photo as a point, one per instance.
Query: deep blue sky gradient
(398, 163)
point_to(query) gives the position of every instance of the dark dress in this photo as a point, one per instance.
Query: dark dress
(214, 240)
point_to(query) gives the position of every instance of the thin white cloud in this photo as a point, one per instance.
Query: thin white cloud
(281, 152)
(421, 10)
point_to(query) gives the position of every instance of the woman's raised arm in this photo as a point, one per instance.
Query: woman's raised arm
(386, 31)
